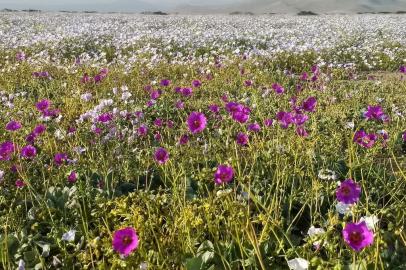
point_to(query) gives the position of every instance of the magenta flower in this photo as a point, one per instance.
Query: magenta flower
(158, 122)
(196, 83)
(142, 130)
(254, 127)
(196, 122)
(180, 105)
(214, 108)
(404, 136)
(365, 140)
(39, 129)
(357, 235)
(300, 119)
(161, 155)
(184, 139)
(20, 56)
(43, 105)
(6, 150)
(268, 122)
(348, 192)
(284, 118)
(301, 131)
(224, 174)
(278, 88)
(242, 138)
(165, 82)
(31, 138)
(309, 105)
(375, 113)
(72, 177)
(105, 117)
(402, 69)
(19, 183)
(304, 76)
(187, 91)
(125, 241)
(248, 83)
(155, 95)
(13, 126)
(240, 116)
(28, 152)
(60, 158)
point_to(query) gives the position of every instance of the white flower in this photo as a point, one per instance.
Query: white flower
(224, 192)
(86, 96)
(370, 221)
(21, 265)
(144, 266)
(125, 95)
(343, 208)
(298, 264)
(327, 174)
(313, 231)
(59, 134)
(1, 175)
(69, 236)
(350, 125)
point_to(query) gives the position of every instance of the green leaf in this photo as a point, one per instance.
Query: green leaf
(195, 263)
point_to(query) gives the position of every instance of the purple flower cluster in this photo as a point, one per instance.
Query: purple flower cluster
(376, 113)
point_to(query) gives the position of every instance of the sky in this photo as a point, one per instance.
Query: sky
(208, 6)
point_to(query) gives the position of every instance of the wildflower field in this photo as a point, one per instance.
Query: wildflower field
(202, 142)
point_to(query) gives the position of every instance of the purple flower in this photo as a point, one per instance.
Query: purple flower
(284, 118)
(43, 105)
(304, 76)
(6, 149)
(13, 126)
(404, 136)
(142, 130)
(187, 91)
(28, 152)
(348, 192)
(19, 183)
(155, 94)
(125, 241)
(357, 235)
(184, 139)
(242, 138)
(224, 174)
(180, 105)
(248, 83)
(375, 112)
(161, 155)
(268, 122)
(365, 140)
(402, 69)
(254, 127)
(20, 56)
(31, 138)
(196, 122)
(39, 129)
(309, 104)
(240, 116)
(60, 158)
(165, 82)
(301, 131)
(214, 108)
(278, 88)
(158, 122)
(300, 119)
(72, 177)
(105, 117)
(157, 136)
(196, 83)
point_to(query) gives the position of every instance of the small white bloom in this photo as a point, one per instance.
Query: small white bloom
(298, 264)
(69, 236)
(327, 174)
(125, 95)
(1, 175)
(86, 97)
(144, 266)
(370, 221)
(59, 134)
(21, 265)
(350, 125)
(224, 192)
(343, 208)
(315, 231)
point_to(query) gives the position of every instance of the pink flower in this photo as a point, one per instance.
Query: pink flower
(125, 241)
(224, 174)
(161, 155)
(196, 122)
(357, 235)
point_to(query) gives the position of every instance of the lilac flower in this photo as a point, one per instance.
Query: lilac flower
(13, 126)
(72, 177)
(357, 235)
(375, 113)
(184, 139)
(161, 155)
(284, 118)
(43, 105)
(309, 104)
(254, 127)
(348, 192)
(125, 241)
(196, 83)
(365, 140)
(28, 152)
(196, 122)
(278, 88)
(224, 174)
(242, 138)
(165, 82)
(20, 56)
(6, 149)
(60, 158)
